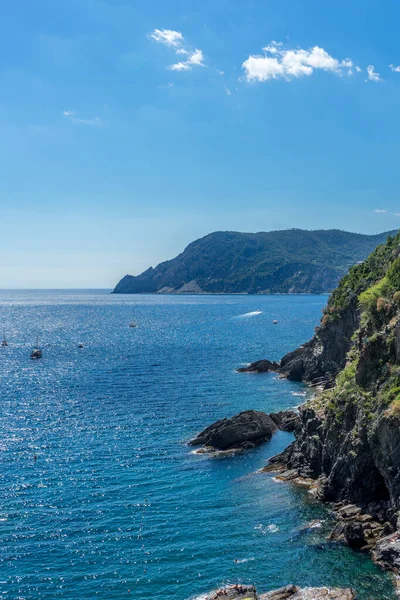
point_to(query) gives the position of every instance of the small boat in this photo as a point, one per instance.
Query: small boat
(275, 322)
(133, 322)
(4, 341)
(80, 345)
(36, 352)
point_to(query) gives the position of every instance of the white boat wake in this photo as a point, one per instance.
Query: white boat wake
(249, 314)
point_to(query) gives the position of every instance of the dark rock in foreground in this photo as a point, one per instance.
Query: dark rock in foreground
(248, 592)
(243, 431)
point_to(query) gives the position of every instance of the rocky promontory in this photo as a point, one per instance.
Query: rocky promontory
(291, 261)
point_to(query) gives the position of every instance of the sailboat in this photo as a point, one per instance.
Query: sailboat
(4, 341)
(36, 352)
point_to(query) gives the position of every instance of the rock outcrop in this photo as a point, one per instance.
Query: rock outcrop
(348, 439)
(260, 366)
(241, 432)
(248, 592)
(245, 430)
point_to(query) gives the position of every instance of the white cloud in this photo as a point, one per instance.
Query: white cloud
(180, 66)
(195, 59)
(396, 214)
(167, 36)
(380, 210)
(278, 62)
(228, 92)
(373, 75)
(176, 40)
(394, 69)
(94, 122)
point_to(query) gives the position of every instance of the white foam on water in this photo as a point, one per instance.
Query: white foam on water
(272, 528)
(249, 314)
(243, 560)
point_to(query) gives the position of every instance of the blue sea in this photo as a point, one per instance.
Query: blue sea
(116, 505)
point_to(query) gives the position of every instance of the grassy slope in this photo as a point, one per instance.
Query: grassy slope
(372, 373)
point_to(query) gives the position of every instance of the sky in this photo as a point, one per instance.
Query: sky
(129, 128)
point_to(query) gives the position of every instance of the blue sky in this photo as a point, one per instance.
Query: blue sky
(129, 128)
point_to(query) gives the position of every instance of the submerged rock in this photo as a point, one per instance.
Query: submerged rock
(243, 431)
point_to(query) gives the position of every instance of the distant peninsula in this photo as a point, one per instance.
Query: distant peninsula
(291, 261)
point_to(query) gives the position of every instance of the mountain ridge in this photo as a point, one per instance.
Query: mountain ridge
(285, 261)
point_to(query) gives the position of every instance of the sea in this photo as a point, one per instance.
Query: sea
(100, 494)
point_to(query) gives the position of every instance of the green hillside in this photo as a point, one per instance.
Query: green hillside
(289, 261)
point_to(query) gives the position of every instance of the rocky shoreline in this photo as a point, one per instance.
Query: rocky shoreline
(347, 437)
(347, 445)
(249, 592)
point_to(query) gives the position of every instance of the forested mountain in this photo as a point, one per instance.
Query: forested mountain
(288, 261)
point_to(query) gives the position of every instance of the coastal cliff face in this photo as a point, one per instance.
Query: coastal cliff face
(320, 359)
(349, 437)
(229, 262)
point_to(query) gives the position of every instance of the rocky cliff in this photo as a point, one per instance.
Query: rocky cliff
(349, 438)
(228, 262)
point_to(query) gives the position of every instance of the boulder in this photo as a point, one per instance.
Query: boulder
(243, 431)
(354, 534)
(260, 366)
